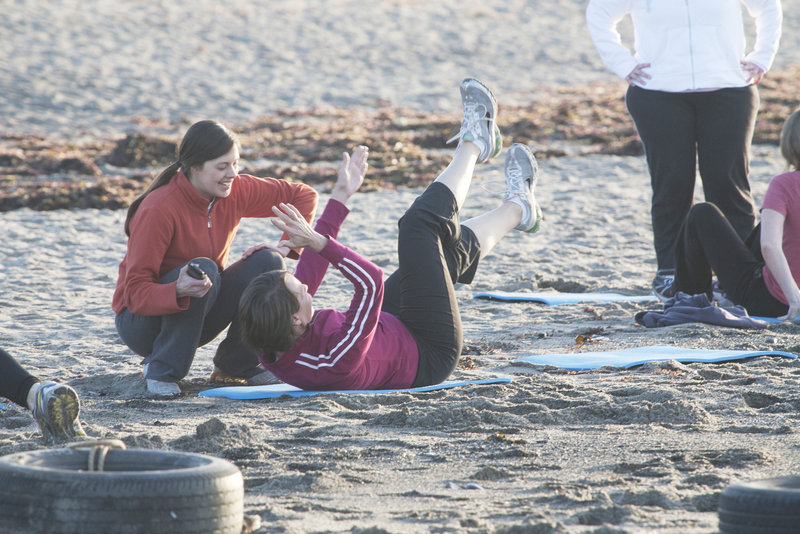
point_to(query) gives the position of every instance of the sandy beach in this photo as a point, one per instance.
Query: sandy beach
(611, 451)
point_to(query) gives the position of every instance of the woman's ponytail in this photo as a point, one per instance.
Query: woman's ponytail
(163, 179)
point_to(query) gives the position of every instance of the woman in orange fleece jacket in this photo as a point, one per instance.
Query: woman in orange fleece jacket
(186, 220)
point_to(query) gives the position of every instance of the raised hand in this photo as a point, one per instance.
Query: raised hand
(351, 174)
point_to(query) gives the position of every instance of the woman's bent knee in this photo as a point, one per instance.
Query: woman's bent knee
(702, 211)
(208, 266)
(269, 260)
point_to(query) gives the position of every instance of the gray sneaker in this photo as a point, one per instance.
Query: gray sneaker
(478, 120)
(522, 172)
(56, 411)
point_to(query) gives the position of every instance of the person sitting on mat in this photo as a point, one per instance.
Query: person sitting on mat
(54, 406)
(761, 274)
(405, 332)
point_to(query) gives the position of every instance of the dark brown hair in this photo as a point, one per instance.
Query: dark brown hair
(265, 314)
(203, 141)
(790, 140)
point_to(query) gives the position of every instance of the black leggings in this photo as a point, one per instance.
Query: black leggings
(15, 382)
(708, 130)
(434, 251)
(707, 242)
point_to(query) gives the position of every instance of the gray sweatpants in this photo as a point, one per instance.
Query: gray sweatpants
(168, 342)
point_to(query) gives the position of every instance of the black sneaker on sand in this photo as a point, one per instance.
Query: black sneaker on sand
(664, 284)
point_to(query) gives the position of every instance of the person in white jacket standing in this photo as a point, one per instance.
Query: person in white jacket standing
(693, 98)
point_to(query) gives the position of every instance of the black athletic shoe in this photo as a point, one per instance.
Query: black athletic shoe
(664, 284)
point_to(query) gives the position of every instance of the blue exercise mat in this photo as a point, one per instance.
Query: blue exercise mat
(553, 298)
(277, 390)
(626, 358)
(773, 319)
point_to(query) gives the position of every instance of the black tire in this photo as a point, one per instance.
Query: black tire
(770, 506)
(138, 491)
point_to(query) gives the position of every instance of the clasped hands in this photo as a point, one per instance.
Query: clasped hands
(299, 231)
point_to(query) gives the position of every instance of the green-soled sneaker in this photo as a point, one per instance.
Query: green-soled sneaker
(522, 173)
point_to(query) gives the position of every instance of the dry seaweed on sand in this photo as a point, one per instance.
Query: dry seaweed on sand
(406, 146)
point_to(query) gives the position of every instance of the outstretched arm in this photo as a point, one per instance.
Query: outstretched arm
(312, 267)
(298, 231)
(350, 177)
(772, 250)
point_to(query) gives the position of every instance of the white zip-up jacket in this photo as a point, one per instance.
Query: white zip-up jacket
(690, 44)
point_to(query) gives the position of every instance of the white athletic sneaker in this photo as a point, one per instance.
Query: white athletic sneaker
(163, 389)
(478, 120)
(56, 411)
(522, 172)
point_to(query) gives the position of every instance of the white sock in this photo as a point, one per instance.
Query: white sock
(31, 400)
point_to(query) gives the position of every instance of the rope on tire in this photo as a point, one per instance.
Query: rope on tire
(98, 451)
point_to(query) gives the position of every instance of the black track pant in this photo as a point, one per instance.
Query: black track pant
(709, 131)
(434, 251)
(15, 382)
(707, 242)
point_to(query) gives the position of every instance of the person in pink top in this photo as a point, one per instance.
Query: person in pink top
(761, 275)
(406, 331)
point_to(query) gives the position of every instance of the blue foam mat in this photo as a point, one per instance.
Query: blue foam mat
(553, 298)
(773, 319)
(626, 358)
(277, 390)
